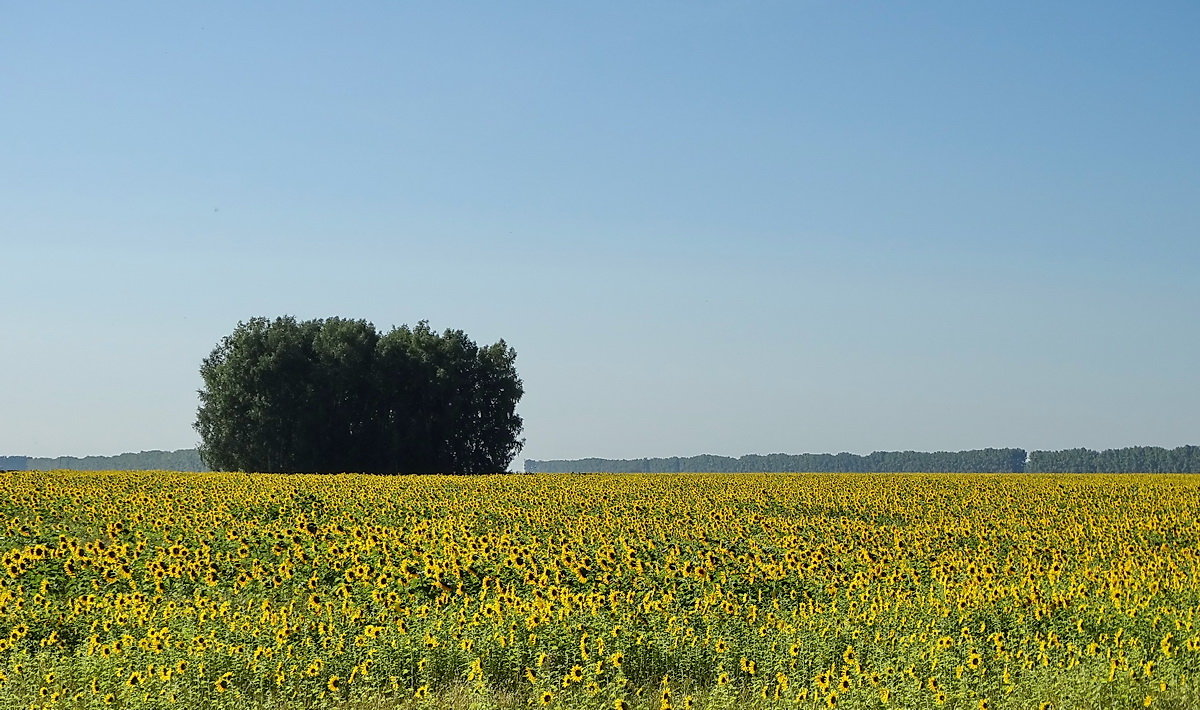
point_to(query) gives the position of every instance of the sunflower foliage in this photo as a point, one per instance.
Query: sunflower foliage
(154, 590)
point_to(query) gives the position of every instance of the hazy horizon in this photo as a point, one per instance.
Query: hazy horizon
(705, 228)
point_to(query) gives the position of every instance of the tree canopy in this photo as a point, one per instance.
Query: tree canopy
(336, 395)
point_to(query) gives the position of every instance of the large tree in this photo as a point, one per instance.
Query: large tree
(335, 395)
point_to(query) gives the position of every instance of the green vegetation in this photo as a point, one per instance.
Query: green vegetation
(980, 461)
(229, 591)
(179, 460)
(333, 395)
(1140, 459)
(1133, 459)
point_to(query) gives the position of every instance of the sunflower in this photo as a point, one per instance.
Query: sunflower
(546, 698)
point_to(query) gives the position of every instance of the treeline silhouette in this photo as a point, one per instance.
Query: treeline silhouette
(179, 460)
(1139, 459)
(977, 461)
(1133, 459)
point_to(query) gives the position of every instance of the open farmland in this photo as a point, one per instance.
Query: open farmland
(140, 590)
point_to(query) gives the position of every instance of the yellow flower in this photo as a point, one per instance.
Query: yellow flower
(546, 698)
(334, 683)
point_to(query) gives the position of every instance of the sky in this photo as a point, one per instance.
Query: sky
(706, 227)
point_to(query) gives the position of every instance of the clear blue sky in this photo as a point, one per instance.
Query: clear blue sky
(722, 227)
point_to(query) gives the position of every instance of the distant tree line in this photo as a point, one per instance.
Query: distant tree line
(977, 461)
(1132, 459)
(179, 460)
(14, 463)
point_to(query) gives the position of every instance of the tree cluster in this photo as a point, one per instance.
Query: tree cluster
(336, 395)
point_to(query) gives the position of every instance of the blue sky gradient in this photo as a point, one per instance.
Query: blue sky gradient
(715, 227)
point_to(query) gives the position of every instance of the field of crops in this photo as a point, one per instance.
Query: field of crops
(147, 590)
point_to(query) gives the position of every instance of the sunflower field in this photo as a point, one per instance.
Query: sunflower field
(647, 592)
